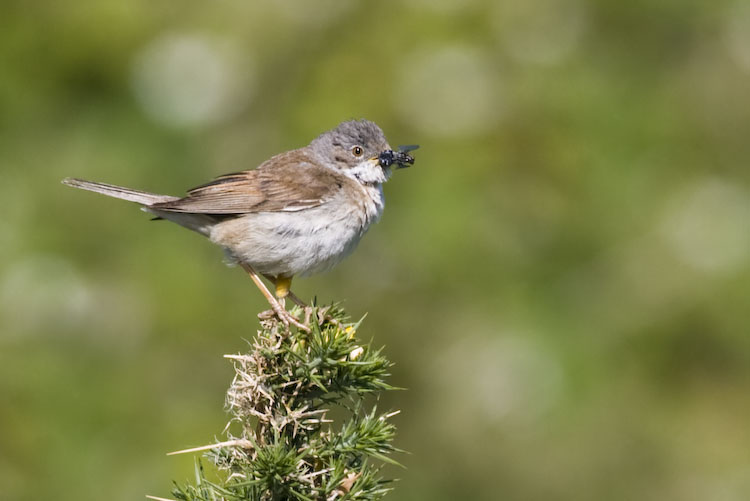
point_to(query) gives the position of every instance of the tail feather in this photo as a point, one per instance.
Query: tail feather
(137, 196)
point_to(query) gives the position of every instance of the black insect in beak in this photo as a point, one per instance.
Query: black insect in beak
(401, 157)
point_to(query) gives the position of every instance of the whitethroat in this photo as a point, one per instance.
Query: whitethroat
(298, 213)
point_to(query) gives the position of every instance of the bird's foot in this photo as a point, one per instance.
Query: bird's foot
(308, 314)
(266, 315)
(324, 317)
(285, 317)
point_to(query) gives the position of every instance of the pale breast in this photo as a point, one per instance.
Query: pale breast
(302, 242)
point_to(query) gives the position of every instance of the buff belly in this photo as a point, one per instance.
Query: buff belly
(286, 244)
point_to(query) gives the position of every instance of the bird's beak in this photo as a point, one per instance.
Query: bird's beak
(390, 157)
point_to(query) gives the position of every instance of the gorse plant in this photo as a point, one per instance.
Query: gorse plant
(283, 442)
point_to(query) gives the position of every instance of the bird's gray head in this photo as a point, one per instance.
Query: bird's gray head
(355, 148)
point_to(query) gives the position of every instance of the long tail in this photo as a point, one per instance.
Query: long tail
(201, 223)
(141, 197)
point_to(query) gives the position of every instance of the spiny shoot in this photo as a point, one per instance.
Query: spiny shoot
(282, 442)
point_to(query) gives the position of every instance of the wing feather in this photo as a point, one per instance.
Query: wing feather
(291, 181)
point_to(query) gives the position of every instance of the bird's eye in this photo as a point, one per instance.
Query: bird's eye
(357, 151)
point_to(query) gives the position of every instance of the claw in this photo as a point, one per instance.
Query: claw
(287, 318)
(267, 314)
(296, 323)
(284, 316)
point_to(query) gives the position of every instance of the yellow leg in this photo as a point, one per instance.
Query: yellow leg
(283, 286)
(283, 315)
(284, 290)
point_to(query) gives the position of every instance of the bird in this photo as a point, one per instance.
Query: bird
(298, 213)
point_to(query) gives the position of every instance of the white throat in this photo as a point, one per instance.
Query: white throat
(369, 173)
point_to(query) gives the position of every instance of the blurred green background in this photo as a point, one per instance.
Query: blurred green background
(562, 278)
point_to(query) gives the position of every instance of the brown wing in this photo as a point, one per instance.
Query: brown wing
(287, 182)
